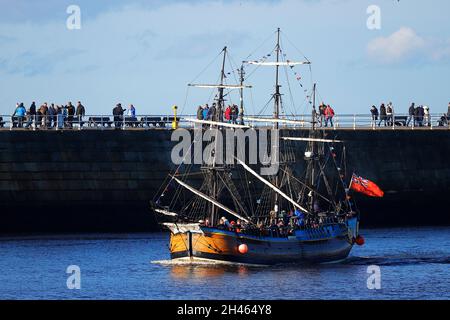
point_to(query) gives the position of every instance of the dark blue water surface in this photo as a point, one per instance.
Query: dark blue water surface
(415, 264)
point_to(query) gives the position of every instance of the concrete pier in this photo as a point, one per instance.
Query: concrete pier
(95, 180)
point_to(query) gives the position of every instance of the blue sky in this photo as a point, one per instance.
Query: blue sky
(146, 52)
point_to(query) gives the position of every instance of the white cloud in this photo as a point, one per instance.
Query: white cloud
(397, 47)
(405, 45)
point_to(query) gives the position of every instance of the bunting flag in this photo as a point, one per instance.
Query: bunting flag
(366, 187)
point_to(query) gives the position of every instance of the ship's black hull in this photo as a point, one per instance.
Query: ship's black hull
(103, 181)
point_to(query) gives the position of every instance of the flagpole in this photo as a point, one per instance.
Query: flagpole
(351, 181)
(347, 192)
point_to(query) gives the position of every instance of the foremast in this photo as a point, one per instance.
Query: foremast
(213, 171)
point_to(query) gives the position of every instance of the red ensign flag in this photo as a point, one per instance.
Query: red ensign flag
(366, 187)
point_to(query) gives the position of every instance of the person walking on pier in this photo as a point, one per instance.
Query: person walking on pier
(382, 115)
(375, 114)
(411, 114)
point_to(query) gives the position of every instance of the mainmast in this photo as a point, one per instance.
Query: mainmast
(277, 83)
(277, 106)
(313, 151)
(220, 105)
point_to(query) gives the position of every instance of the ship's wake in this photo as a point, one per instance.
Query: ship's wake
(197, 262)
(400, 260)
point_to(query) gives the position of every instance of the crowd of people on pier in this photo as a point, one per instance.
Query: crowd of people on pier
(47, 115)
(231, 114)
(61, 116)
(418, 116)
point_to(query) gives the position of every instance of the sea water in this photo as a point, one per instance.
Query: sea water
(394, 264)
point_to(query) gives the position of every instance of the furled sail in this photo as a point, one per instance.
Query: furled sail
(166, 213)
(219, 86)
(280, 63)
(281, 193)
(252, 119)
(213, 201)
(177, 228)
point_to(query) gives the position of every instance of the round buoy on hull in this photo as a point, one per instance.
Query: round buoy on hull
(243, 248)
(360, 241)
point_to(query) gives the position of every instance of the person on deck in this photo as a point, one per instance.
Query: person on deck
(300, 218)
(227, 223)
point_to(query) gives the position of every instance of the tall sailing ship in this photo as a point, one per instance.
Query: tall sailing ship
(308, 218)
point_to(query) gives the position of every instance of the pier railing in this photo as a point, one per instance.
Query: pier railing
(161, 122)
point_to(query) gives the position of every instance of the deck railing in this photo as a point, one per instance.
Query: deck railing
(151, 122)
